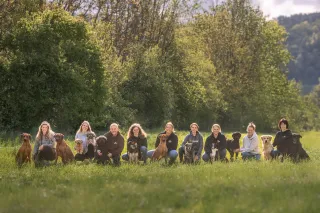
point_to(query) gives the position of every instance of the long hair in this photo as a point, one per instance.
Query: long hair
(49, 133)
(80, 128)
(141, 131)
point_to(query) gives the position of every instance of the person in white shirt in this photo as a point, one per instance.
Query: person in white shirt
(250, 148)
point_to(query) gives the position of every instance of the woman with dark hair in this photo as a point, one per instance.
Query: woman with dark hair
(88, 148)
(137, 134)
(45, 146)
(283, 139)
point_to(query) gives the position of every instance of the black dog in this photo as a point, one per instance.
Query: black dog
(234, 144)
(295, 150)
(101, 156)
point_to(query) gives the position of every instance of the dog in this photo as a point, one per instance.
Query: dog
(267, 146)
(101, 156)
(63, 150)
(233, 145)
(79, 146)
(24, 153)
(213, 156)
(189, 153)
(162, 150)
(133, 152)
(296, 152)
(91, 139)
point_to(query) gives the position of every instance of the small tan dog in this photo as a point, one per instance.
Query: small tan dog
(79, 146)
(24, 153)
(162, 150)
(267, 146)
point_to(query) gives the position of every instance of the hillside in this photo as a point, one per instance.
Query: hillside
(304, 45)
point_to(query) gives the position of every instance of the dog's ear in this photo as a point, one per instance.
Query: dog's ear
(21, 135)
(30, 137)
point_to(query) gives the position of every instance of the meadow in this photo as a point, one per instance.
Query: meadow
(219, 187)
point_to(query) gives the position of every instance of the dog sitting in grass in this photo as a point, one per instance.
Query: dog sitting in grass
(267, 146)
(79, 146)
(24, 153)
(62, 149)
(162, 150)
(133, 152)
(233, 145)
(296, 152)
(213, 155)
(189, 153)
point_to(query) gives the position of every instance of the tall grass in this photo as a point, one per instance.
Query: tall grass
(219, 187)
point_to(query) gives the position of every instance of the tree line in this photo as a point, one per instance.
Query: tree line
(145, 61)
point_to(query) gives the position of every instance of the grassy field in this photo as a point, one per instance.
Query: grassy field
(219, 187)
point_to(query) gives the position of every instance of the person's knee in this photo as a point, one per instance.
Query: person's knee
(150, 153)
(143, 149)
(244, 154)
(173, 154)
(125, 157)
(205, 157)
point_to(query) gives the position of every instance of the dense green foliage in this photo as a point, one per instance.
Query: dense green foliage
(145, 61)
(304, 45)
(219, 187)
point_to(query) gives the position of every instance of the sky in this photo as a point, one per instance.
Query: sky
(275, 8)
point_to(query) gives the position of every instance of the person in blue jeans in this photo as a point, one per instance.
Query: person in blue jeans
(250, 148)
(137, 134)
(196, 139)
(172, 143)
(215, 140)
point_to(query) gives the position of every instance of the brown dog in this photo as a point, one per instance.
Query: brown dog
(162, 150)
(24, 153)
(62, 149)
(79, 146)
(267, 146)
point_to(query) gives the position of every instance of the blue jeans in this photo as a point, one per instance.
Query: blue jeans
(249, 155)
(221, 154)
(143, 151)
(172, 155)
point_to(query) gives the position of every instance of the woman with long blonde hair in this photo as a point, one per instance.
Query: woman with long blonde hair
(137, 134)
(88, 148)
(45, 146)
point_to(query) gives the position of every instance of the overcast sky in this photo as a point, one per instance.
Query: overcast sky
(275, 8)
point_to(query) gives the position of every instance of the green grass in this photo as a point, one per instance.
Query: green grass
(219, 187)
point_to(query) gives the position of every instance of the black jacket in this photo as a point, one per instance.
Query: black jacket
(283, 141)
(220, 143)
(172, 141)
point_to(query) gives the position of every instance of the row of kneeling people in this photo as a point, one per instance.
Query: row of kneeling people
(107, 148)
